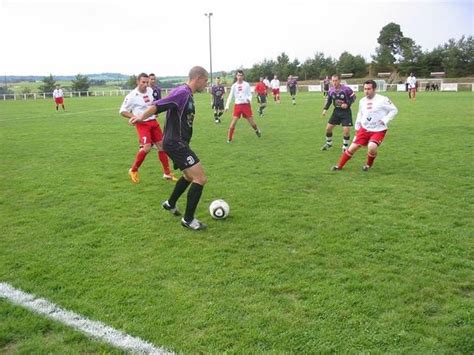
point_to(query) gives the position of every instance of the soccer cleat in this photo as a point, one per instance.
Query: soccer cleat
(344, 148)
(170, 177)
(217, 120)
(258, 133)
(134, 176)
(326, 146)
(195, 224)
(173, 210)
(365, 168)
(335, 168)
(229, 141)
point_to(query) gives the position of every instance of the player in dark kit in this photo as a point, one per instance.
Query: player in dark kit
(180, 108)
(292, 84)
(156, 89)
(217, 92)
(342, 96)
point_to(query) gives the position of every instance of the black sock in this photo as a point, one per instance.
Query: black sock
(215, 116)
(194, 194)
(181, 186)
(220, 113)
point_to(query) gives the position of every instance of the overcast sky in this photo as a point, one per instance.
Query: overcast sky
(65, 37)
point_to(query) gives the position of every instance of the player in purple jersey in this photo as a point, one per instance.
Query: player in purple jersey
(156, 89)
(292, 85)
(342, 96)
(180, 111)
(217, 92)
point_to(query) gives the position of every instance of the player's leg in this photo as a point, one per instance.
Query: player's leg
(252, 123)
(328, 144)
(346, 156)
(197, 178)
(371, 155)
(230, 133)
(346, 132)
(157, 137)
(144, 137)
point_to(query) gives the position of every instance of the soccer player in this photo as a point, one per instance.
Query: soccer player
(326, 83)
(411, 83)
(58, 95)
(240, 92)
(217, 92)
(180, 108)
(375, 112)
(342, 96)
(261, 90)
(156, 89)
(275, 85)
(292, 84)
(267, 84)
(149, 131)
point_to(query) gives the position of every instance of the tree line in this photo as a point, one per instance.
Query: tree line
(395, 53)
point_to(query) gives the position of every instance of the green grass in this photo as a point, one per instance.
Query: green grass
(308, 261)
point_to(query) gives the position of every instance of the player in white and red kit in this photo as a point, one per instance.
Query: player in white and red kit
(240, 92)
(375, 112)
(275, 85)
(58, 97)
(149, 131)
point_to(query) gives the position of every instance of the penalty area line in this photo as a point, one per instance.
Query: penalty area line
(91, 328)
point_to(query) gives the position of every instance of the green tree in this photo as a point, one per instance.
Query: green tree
(49, 84)
(80, 83)
(130, 83)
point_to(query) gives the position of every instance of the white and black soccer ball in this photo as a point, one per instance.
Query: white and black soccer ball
(219, 209)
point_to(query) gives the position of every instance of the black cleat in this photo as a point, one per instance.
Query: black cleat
(195, 224)
(258, 133)
(173, 210)
(335, 168)
(326, 146)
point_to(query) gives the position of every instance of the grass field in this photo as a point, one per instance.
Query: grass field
(308, 261)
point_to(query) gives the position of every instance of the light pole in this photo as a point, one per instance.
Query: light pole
(209, 15)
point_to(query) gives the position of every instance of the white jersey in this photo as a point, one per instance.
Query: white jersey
(374, 114)
(58, 93)
(136, 102)
(275, 84)
(266, 82)
(241, 94)
(411, 81)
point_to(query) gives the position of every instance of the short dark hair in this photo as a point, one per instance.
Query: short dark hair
(371, 82)
(336, 76)
(218, 77)
(142, 75)
(151, 74)
(240, 71)
(197, 72)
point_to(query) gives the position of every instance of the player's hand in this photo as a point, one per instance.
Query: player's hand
(344, 106)
(135, 119)
(324, 113)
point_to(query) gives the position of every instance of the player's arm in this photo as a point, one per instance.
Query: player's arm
(391, 111)
(229, 98)
(126, 108)
(351, 97)
(358, 122)
(328, 104)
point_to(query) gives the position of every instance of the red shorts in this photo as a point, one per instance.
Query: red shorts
(244, 110)
(149, 132)
(276, 91)
(58, 100)
(363, 137)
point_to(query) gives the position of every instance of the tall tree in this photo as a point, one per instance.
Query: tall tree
(80, 83)
(49, 84)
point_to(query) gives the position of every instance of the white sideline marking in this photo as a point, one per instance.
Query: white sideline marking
(67, 113)
(92, 328)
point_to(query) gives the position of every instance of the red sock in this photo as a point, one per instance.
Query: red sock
(164, 162)
(231, 133)
(139, 159)
(344, 159)
(370, 159)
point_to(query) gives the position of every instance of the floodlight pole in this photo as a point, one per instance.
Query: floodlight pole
(209, 15)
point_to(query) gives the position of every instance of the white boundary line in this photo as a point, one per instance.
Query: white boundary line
(67, 113)
(91, 328)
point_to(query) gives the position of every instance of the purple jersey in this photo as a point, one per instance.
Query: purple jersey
(291, 83)
(179, 105)
(217, 92)
(343, 95)
(156, 92)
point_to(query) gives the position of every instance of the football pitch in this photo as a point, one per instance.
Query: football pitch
(309, 260)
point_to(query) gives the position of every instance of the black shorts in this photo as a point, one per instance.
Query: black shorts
(262, 99)
(218, 104)
(293, 91)
(181, 155)
(341, 117)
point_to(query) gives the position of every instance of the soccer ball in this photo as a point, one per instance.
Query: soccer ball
(219, 209)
